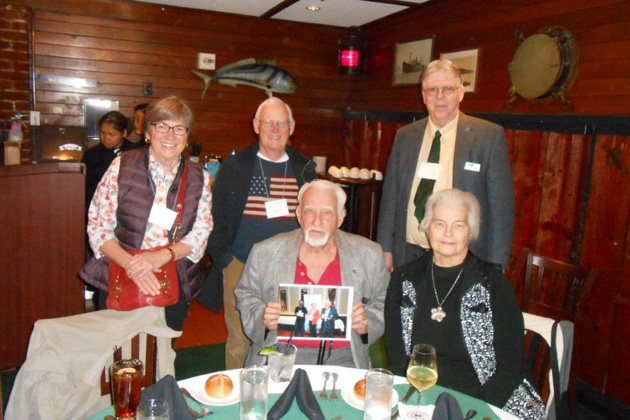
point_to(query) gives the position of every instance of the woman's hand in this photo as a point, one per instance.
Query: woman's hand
(271, 316)
(359, 318)
(141, 268)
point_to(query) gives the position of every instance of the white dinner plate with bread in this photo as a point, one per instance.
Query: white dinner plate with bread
(217, 389)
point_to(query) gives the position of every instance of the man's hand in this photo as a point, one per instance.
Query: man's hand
(271, 316)
(359, 318)
(389, 260)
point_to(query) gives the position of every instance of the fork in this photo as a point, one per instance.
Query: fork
(323, 395)
(333, 394)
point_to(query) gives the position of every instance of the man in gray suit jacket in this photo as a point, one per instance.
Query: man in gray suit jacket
(473, 157)
(325, 256)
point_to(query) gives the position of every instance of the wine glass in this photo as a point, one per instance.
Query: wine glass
(422, 370)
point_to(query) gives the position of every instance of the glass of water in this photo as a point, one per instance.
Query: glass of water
(152, 410)
(253, 393)
(378, 394)
(281, 363)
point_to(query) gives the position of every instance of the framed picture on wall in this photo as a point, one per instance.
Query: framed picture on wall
(467, 63)
(410, 58)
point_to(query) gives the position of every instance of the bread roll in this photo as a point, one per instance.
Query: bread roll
(219, 386)
(359, 389)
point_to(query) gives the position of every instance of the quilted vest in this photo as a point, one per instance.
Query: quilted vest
(135, 199)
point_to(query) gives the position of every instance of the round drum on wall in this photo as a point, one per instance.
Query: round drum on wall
(544, 66)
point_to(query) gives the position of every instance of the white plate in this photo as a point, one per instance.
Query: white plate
(198, 390)
(347, 393)
(414, 412)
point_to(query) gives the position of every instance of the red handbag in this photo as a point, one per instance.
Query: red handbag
(124, 295)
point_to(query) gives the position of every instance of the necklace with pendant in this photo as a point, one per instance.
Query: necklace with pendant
(438, 314)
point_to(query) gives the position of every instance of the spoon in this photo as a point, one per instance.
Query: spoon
(471, 413)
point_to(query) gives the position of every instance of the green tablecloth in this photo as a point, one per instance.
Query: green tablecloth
(340, 408)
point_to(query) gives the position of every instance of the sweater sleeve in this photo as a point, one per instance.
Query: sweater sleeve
(507, 320)
(396, 356)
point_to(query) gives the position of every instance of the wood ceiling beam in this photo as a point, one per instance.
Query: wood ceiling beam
(278, 8)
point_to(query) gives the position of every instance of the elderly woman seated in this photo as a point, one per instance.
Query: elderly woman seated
(465, 308)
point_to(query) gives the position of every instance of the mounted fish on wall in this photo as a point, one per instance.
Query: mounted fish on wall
(264, 75)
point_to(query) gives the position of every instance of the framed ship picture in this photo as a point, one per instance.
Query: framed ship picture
(467, 63)
(410, 58)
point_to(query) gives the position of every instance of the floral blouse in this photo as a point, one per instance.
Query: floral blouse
(102, 212)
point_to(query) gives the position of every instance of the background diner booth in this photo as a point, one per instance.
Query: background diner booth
(568, 146)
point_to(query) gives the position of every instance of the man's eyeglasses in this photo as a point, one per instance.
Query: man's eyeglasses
(446, 90)
(161, 127)
(282, 124)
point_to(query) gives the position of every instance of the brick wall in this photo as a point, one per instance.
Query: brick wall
(14, 68)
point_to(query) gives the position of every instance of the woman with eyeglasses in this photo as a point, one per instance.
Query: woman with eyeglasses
(134, 207)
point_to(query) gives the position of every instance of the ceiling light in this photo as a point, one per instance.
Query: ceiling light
(313, 8)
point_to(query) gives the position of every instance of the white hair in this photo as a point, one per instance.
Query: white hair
(442, 65)
(322, 184)
(270, 101)
(454, 197)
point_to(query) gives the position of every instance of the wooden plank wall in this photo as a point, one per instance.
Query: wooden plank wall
(553, 173)
(123, 44)
(599, 26)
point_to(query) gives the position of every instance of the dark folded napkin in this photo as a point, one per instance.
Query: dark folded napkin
(167, 389)
(300, 388)
(447, 408)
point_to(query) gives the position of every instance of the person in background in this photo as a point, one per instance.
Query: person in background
(313, 319)
(113, 130)
(138, 124)
(138, 187)
(329, 316)
(255, 196)
(317, 253)
(300, 316)
(448, 149)
(464, 307)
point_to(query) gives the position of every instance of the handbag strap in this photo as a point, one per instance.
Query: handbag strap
(179, 204)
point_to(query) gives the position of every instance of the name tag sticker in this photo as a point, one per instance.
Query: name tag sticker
(162, 216)
(470, 166)
(429, 170)
(277, 208)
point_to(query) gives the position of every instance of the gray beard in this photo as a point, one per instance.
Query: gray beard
(314, 242)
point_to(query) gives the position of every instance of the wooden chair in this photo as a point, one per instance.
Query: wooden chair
(516, 271)
(538, 357)
(554, 288)
(149, 360)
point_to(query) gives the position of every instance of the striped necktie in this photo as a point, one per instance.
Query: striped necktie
(425, 187)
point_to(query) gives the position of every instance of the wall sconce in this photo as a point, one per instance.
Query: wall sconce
(350, 54)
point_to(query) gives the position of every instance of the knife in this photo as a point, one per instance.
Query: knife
(408, 395)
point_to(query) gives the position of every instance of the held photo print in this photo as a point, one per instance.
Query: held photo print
(315, 312)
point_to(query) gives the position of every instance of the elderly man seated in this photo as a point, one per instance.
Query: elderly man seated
(328, 257)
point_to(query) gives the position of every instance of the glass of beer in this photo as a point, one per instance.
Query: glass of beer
(422, 370)
(126, 378)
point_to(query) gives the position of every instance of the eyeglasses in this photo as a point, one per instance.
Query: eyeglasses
(446, 90)
(161, 127)
(282, 124)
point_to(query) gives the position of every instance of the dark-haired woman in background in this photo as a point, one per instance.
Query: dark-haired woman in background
(113, 130)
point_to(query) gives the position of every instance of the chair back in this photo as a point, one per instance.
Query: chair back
(554, 288)
(134, 348)
(516, 271)
(538, 357)
(540, 345)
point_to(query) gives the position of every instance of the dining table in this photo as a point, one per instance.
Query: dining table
(346, 406)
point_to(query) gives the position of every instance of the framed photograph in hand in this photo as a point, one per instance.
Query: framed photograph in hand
(315, 312)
